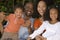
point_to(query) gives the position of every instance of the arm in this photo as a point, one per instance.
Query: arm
(8, 17)
(38, 31)
(35, 24)
(30, 30)
(28, 25)
(1, 28)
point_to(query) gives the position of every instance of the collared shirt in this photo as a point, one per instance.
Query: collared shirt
(13, 23)
(23, 32)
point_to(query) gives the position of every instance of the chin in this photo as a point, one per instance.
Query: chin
(19, 17)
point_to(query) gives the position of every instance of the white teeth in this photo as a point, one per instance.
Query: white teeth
(28, 12)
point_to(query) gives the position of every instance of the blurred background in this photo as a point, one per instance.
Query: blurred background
(8, 5)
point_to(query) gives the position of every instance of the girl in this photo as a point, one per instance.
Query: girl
(52, 27)
(41, 8)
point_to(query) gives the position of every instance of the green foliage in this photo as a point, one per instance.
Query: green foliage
(10, 2)
(3, 8)
(8, 5)
(57, 1)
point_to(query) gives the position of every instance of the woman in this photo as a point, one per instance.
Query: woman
(41, 8)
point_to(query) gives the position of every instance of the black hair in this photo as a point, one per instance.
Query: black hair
(26, 2)
(18, 6)
(48, 14)
(36, 14)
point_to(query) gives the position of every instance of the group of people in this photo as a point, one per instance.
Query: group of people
(22, 26)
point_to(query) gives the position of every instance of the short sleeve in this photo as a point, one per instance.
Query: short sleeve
(37, 23)
(9, 17)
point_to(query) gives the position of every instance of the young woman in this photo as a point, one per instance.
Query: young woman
(52, 27)
(41, 8)
(41, 11)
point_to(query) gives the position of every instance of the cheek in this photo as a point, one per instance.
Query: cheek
(38, 9)
(51, 16)
(44, 8)
(20, 14)
(56, 16)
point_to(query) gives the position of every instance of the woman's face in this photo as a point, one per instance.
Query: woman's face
(41, 7)
(53, 14)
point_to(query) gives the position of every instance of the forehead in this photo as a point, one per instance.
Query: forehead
(53, 10)
(29, 4)
(18, 9)
(42, 3)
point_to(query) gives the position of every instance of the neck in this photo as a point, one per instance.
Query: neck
(53, 21)
(27, 18)
(18, 17)
(41, 18)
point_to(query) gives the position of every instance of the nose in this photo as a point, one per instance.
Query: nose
(41, 10)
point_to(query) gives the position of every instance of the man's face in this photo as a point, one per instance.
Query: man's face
(28, 9)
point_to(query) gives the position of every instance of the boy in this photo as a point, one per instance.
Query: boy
(14, 22)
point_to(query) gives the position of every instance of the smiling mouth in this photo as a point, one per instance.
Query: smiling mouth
(28, 12)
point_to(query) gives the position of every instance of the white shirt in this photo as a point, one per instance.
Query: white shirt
(52, 31)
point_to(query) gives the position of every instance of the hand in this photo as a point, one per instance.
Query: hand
(40, 38)
(27, 23)
(43, 38)
(28, 38)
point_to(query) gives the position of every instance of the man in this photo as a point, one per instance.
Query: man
(28, 11)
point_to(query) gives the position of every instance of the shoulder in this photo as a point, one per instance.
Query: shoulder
(37, 20)
(46, 22)
(10, 15)
(58, 23)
